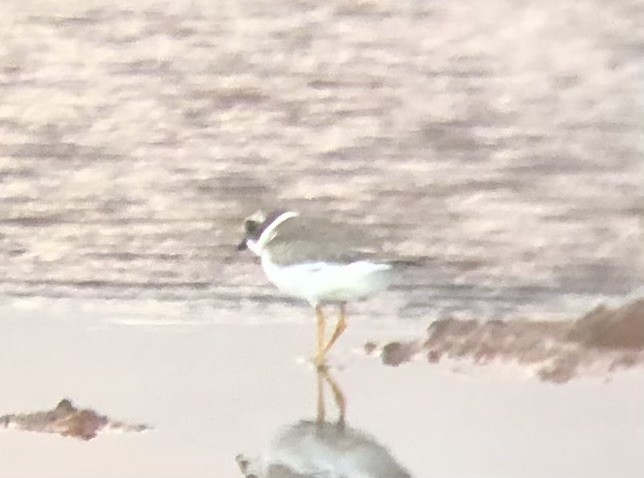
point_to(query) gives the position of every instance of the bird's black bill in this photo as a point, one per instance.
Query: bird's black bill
(243, 245)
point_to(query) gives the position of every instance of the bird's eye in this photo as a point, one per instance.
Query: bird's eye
(251, 227)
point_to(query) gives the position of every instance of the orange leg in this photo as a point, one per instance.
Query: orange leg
(339, 328)
(321, 351)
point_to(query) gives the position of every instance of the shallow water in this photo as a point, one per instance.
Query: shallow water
(504, 144)
(213, 391)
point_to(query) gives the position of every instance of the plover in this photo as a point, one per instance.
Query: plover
(320, 262)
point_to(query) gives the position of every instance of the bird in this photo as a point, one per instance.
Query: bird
(322, 448)
(321, 262)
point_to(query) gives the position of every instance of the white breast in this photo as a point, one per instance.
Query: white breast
(324, 282)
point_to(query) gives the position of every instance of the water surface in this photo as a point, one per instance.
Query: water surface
(504, 144)
(214, 391)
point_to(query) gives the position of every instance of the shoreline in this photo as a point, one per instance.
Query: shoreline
(215, 390)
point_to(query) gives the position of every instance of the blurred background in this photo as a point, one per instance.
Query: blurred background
(504, 142)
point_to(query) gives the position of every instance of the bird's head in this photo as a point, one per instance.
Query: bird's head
(260, 227)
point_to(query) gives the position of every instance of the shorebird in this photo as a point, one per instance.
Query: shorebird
(318, 261)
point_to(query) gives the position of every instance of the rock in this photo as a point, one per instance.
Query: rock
(67, 420)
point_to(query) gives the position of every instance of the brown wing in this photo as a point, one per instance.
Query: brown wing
(302, 239)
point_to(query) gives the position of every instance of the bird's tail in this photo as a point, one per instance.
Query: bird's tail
(410, 261)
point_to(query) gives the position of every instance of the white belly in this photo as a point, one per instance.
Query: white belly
(319, 282)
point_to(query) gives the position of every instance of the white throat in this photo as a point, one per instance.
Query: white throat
(258, 246)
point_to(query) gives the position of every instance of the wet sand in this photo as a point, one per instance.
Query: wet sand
(600, 343)
(212, 391)
(68, 420)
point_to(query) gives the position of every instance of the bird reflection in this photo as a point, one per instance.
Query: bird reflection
(323, 448)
